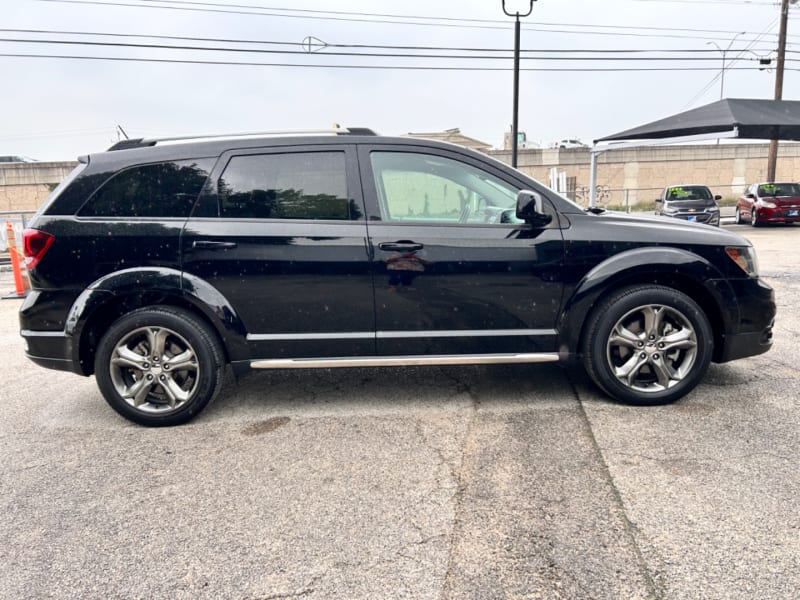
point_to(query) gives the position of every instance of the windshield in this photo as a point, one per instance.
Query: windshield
(771, 190)
(689, 192)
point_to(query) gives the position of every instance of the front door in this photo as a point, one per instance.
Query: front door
(455, 271)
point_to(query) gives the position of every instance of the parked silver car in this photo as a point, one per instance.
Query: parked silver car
(690, 203)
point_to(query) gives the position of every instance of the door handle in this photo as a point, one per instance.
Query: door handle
(209, 245)
(400, 246)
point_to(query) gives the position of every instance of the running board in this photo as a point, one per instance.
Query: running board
(404, 361)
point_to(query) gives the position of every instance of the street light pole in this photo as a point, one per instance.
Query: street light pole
(724, 52)
(515, 116)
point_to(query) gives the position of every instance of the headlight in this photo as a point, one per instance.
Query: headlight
(745, 258)
(668, 210)
(767, 204)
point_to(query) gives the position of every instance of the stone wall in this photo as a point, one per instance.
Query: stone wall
(638, 174)
(24, 186)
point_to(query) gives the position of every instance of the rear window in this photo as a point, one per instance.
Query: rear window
(160, 190)
(298, 185)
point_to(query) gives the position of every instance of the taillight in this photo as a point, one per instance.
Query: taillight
(34, 244)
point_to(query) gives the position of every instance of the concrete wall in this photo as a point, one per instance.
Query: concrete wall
(635, 175)
(24, 186)
(638, 174)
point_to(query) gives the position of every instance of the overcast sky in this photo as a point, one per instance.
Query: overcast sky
(59, 108)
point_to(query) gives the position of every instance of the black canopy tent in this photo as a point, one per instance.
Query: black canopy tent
(729, 118)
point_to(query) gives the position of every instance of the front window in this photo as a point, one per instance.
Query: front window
(423, 187)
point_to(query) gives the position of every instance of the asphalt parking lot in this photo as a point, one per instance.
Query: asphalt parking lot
(477, 482)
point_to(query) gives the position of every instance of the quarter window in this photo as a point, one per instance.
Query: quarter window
(423, 187)
(158, 190)
(302, 185)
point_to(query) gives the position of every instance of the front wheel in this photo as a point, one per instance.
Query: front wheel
(648, 345)
(754, 217)
(159, 366)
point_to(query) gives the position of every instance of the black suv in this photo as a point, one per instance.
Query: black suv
(156, 264)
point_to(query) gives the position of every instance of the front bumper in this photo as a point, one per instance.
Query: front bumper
(753, 333)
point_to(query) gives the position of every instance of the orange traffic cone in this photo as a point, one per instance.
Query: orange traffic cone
(21, 284)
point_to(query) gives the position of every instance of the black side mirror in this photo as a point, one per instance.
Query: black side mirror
(530, 208)
(717, 197)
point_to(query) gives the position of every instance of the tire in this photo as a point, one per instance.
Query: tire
(739, 219)
(169, 387)
(647, 345)
(754, 217)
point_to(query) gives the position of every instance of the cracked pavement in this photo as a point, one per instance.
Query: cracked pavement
(474, 482)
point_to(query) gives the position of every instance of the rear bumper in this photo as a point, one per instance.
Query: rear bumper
(52, 350)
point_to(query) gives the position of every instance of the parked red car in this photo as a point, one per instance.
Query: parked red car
(769, 203)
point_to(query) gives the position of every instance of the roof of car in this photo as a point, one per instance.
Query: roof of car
(145, 151)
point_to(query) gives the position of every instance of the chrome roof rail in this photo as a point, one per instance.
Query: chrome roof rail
(145, 142)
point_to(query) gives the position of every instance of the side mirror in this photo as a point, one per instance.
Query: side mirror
(659, 200)
(751, 196)
(530, 208)
(717, 197)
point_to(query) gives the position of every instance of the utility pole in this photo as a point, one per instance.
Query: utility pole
(772, 159)
(515, 121)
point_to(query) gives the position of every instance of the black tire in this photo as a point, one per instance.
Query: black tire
(739, 219)
(647, 363)
(170, 386)
(754, 217)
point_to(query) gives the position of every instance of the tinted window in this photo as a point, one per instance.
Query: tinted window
(157, 190)
(423, 187)
(303, 185)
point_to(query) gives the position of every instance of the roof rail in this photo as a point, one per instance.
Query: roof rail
(144, 142)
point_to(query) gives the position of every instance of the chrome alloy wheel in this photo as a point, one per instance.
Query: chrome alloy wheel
(154, 370)
(652, 348)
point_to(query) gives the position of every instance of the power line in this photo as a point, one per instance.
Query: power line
(352, 54)
(417, 20)
(367, 46)
(370, 67)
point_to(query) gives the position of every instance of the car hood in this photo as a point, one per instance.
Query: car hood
(657, 229)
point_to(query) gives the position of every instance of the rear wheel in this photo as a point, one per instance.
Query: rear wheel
(648, 345)
(739, 219)
(159, 366)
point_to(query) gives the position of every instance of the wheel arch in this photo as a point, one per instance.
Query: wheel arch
(670, 267)
(121, 292)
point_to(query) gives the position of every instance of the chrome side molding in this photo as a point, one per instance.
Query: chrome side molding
(407, 361)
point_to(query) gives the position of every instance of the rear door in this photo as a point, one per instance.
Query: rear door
(281, 233)
(455, 271)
